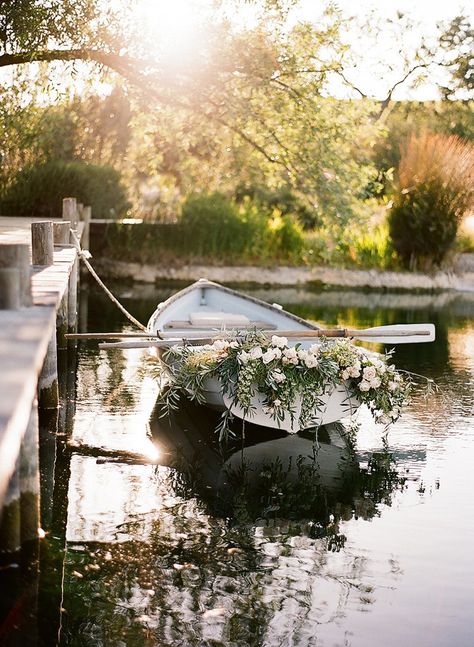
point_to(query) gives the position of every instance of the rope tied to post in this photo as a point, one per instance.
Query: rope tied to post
(85, 255)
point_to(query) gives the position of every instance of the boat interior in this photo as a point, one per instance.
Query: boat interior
(206, 306)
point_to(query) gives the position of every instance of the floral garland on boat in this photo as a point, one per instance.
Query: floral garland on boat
(254, 363)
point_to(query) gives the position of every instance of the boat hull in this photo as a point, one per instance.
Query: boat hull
(201, 308)
(334, 404)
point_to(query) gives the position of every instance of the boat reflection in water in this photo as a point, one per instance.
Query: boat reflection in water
(240, 545)
(264, 477)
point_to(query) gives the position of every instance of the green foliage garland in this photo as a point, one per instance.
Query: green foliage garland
(253, 364)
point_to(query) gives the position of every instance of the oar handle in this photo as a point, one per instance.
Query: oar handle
(110, 335)
(347, 332)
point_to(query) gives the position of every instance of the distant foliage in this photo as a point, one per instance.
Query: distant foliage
(408, 118)
(213, 225)
(283, 199)
(216, 226)
(39, 190)
(435, 190)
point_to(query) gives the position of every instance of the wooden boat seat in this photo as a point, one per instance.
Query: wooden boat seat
(207, 320)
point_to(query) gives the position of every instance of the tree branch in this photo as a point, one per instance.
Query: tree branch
(349, 83)
(129, 69)
(385, 103)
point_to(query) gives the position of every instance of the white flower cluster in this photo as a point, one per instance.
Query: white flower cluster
(279, 350)
(282, 372)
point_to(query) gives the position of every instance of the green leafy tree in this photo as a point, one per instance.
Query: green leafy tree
(257, 94)
(457, 40)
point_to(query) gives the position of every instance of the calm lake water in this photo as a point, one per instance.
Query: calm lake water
(283, 542)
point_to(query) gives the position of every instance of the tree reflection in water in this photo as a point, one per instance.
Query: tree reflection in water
(245, 549)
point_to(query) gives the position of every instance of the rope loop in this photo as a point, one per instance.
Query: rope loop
(84, 255)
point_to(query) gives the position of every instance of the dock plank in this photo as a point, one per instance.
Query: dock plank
(23, 344)
(24, 338)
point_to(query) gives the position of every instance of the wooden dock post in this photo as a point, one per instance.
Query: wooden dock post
(70, 211)
(29, 480)
(48, 393)
(72, 298)
(17, 256)
(61, 232)
(42, 248)
(86, 219)
(42, 243)
(10, 288)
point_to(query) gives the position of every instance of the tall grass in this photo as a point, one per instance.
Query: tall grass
(435, 190)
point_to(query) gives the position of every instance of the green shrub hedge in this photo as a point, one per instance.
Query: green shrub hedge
(212, 229)
(38, 191)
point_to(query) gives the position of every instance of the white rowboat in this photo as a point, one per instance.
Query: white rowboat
(207, 309)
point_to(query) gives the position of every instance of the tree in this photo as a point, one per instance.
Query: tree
(457, 40)
(258, 92)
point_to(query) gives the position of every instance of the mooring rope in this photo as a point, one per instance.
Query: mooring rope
(84, 255)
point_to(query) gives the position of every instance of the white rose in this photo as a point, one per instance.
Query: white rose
(234, 344)
(278, 376)
(279, 342)
(220, 344)
(243, 357)
(303, 354)
(311, 361)
(392, 386)
(256, 353)
(375, 383)
(268, 356)
(291, 353)
(353, 371)
(364, 386)
(276, 403)
(314, 349)
(369, 373)
(276, 353)
(345, 375)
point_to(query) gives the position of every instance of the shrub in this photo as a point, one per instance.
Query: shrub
(217, 227)
(286, 237)
(435, 189)
(368, 247)
(283, 199)
(39, 190)
(213, 225)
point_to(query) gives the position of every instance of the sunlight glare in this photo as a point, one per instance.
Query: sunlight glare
(175, 28)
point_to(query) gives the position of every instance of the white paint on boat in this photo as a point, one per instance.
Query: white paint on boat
(205, 306)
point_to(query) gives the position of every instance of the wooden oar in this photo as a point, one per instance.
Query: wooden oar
(110, 335)
(396, 334)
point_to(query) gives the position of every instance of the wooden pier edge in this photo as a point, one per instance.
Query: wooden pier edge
(39, 307)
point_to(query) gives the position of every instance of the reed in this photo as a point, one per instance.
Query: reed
(435, 190)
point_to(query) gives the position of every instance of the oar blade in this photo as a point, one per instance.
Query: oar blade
(402, 334)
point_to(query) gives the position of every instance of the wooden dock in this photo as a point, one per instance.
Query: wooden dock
(29, 338)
